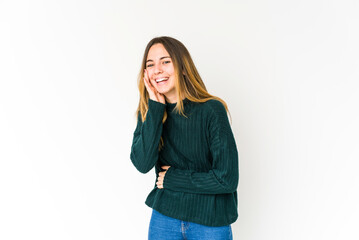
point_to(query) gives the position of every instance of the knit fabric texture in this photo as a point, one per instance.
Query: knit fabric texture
(201, 184)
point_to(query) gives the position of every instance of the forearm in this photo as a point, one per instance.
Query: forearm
(211, 182)
(146, 138)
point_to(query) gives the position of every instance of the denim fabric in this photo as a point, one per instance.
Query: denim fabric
(167, 228)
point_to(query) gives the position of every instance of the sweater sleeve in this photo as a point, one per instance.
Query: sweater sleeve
(223, 177)
(146, 137)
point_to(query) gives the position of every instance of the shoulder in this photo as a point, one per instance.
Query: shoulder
(216, 118)
(215, 107)
(214, 113)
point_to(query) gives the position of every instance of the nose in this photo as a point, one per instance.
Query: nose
(158, 69)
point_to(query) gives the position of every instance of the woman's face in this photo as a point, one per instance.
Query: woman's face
(161, 71)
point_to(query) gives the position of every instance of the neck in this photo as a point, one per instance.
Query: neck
(172, 99)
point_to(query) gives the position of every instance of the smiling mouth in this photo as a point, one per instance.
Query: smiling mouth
(161, 80)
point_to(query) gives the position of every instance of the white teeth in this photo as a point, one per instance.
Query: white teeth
(161, 79)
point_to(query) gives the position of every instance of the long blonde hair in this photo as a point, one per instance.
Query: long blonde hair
(188, 82)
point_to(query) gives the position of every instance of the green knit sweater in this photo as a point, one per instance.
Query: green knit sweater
(201, 184)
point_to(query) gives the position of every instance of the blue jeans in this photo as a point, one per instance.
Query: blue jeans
(167, 228)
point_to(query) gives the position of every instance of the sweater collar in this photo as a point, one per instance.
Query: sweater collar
(171, 106)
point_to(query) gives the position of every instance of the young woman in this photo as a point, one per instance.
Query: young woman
(184, 132)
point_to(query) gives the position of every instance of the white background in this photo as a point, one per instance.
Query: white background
(288, 70)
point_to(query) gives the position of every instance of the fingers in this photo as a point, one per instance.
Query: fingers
(147, 82)
(165, 167)
(159, 182)
(161, 176)
(152, 91)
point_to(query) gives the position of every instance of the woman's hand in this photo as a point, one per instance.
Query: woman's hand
(161, 176)
(154, 95)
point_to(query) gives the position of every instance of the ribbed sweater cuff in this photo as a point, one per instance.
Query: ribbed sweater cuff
(157, 108)
(169, 180)
(177, 182)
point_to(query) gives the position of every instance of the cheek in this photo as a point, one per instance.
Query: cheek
(150, 73)
(172, 71)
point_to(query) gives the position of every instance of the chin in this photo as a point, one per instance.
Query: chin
(162, 91)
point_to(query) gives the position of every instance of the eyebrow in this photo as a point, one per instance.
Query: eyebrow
(160, 58)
